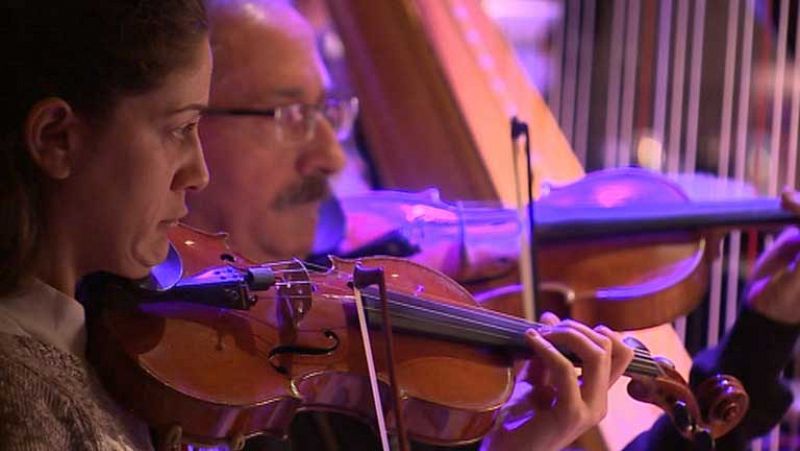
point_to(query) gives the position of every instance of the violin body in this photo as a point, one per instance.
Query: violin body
(625, 247)
(626, 281)
(191, 372)
(211, 371)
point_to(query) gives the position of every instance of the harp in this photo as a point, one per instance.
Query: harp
(438, 85)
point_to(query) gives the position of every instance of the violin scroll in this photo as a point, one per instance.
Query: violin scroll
(723, 402)
(719, 405)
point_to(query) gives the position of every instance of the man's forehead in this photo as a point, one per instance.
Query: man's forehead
(255, 93)
(237, 37)
(258, 15)
(260, 80)
(265, 53)
(272, 76)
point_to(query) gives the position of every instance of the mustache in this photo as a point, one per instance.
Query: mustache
(310, 189)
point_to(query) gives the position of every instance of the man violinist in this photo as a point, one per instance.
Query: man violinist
(271, 141)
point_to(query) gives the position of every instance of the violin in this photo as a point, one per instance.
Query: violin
(235, 349)
(623, 247)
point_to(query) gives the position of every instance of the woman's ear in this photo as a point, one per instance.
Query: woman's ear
(50, 136)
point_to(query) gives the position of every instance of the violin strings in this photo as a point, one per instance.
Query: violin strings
(513, 326)
(455, 318)
(519, 326)
(642, 362)
(516, 327)
(481, 320)
(292, 283)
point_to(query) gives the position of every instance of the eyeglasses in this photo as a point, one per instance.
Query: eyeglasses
(297, 123)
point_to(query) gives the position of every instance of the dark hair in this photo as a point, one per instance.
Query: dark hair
(89, 53)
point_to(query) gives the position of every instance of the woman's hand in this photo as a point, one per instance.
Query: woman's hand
(550, 407)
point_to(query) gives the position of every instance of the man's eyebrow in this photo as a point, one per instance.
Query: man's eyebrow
(288, 93)
(293, 93)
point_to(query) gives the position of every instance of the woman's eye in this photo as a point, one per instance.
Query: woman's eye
(186, 130)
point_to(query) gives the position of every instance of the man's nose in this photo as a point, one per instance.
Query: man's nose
(323, 154)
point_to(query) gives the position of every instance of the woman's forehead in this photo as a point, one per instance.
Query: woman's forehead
(183, 89)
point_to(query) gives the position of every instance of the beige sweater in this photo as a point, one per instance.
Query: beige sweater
(50, 398)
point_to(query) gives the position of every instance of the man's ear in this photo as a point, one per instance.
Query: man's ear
(50, 130)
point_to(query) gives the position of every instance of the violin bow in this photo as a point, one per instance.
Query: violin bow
(362, 278)
(528, 273)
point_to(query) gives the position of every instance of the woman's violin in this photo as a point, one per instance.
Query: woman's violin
(235, 349)
(623, 247)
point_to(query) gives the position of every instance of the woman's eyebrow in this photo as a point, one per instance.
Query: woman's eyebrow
(199, 107)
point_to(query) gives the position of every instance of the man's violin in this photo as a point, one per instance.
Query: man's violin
(626, 247)
(274, 339)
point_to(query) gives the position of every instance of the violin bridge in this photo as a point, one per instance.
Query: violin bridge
(294, 293)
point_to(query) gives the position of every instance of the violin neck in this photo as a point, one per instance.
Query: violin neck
(562, 223)
(475, 326)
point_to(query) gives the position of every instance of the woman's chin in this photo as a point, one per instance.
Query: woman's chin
(144, 260)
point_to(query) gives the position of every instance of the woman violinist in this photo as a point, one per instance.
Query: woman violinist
(100, 101)
(101, 104)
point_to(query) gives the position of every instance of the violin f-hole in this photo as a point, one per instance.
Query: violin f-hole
(283, 353)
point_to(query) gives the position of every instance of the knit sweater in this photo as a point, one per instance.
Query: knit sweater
(50, 399)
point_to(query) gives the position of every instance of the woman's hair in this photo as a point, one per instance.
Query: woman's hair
(89, 53)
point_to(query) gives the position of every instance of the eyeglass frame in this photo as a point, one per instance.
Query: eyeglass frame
(342, 132)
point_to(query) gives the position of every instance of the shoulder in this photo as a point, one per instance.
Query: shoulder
(32, 409)
(22, 355)
(27, 365)
(51, 400)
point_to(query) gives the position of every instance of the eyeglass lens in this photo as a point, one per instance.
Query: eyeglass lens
(298, 122)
